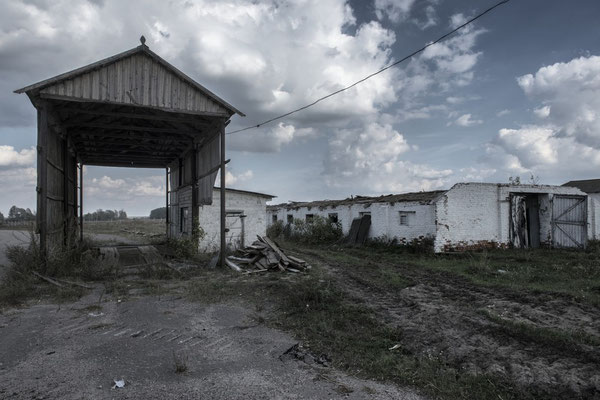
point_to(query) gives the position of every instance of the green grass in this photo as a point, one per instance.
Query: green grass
(569, 272)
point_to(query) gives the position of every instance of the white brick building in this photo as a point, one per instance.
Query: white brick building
(246, 217)
(467, 216)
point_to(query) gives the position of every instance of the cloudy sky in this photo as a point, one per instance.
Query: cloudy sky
(515, 94)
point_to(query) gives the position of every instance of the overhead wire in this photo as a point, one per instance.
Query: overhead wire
(393, 64)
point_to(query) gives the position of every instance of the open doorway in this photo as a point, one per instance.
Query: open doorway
(123, 206)
(525, 220)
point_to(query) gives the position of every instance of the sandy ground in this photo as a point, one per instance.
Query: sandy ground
(76, 351)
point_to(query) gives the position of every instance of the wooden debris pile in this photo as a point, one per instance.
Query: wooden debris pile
(264, 255)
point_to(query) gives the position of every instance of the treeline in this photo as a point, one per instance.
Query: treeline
(159, 213)
(17, 214)
(105, 215)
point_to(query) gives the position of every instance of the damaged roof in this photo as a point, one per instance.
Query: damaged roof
(586, 185)
(420, 197)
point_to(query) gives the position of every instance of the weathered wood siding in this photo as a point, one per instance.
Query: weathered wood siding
(137, 80)
(57, 180)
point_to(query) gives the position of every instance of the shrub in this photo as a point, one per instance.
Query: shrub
(276, 229)
(420, 245)
(319, 230)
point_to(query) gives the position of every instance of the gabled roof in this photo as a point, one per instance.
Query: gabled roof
(586, 185)
(61, 84)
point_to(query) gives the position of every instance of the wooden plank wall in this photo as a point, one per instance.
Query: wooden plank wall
(57, 180)
(137, 80)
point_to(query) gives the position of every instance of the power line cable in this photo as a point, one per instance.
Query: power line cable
(414, 53)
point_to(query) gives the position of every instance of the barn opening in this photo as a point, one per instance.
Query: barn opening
(133, 109)
(525, 220)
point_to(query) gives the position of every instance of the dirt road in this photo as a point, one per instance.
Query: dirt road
(77, 351)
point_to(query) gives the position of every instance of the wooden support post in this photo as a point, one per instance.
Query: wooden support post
(222, 197)
(167, 202)
(81, 201)
(195, 222)
(65, 172)
(42, 179)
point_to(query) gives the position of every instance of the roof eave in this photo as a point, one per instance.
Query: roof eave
(36, 87)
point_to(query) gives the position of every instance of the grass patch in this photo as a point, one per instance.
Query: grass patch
(75, 263)
(554, 271)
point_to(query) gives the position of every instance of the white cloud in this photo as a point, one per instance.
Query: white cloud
(394, 10)
(231, 179)
(430, 18)
(11, 158)
(569, 94)
(542, 112)
(268, 140)
(369, 160)
(502, 113)
(466, 120)
(568, 143)
(124, 189)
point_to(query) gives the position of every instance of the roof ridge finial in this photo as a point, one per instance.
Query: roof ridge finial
(143, 40)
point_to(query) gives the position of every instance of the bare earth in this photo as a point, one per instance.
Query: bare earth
(76, 351)
(442, 316)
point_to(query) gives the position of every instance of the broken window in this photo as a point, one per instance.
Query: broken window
(290, 219)
(333, 217)
(183, 219)
(310, 218)
(363, 213)
(274, 218)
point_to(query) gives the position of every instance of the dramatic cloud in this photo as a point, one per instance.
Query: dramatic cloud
(569, 106)
(266, 58)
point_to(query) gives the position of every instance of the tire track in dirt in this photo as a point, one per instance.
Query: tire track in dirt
(444, 316)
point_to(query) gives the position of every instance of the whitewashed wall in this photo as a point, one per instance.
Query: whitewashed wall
(594, 215)
(255, 223)
(385, 218)
(476, 214)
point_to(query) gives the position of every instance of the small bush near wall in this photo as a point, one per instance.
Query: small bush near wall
(276, 229)
(319, 230)
(420, 245)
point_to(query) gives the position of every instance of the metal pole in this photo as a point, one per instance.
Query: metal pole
(81, 201)
(222, 197)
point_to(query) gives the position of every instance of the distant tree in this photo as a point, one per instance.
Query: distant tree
(514, 180)
(1, 218)
(20, 214)
(159, 213)
(105, 215)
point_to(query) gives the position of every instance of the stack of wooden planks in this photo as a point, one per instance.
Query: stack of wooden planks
(264, 255)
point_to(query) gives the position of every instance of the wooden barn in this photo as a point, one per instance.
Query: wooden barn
(133, 109)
